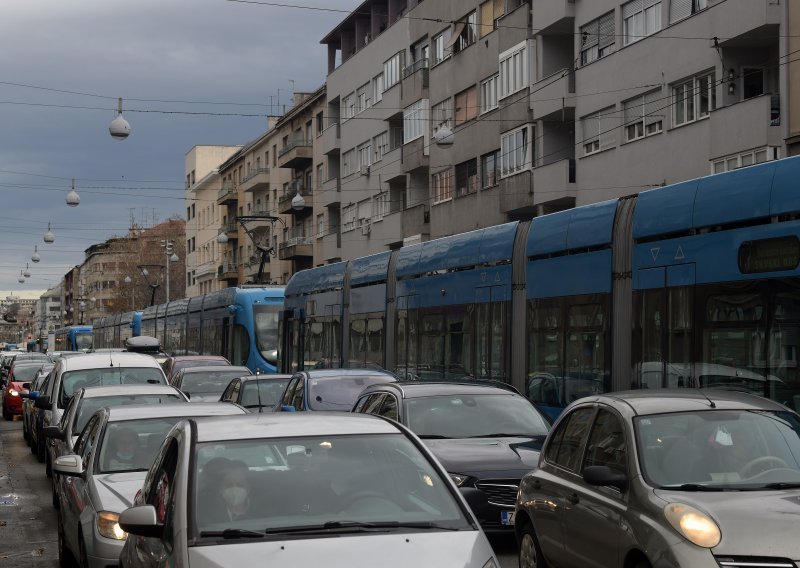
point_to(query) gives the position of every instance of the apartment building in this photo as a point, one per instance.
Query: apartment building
(452, 115)
(203, 184)
(48, 311)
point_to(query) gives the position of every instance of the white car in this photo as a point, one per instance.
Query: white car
(100, 481)
(304, 489)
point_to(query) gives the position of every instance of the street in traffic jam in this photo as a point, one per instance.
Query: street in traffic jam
(471, 284)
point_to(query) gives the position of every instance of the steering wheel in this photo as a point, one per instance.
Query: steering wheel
(760, 463)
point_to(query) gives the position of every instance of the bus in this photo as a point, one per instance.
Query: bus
(72, 338)
(690, 285)
(240, 324)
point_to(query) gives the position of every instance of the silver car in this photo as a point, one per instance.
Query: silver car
(665, 478)
(86, 401)
(300, 490)
(101, 478)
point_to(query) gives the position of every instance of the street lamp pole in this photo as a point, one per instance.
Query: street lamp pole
(171, 257)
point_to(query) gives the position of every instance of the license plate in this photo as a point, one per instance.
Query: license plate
(507, 518)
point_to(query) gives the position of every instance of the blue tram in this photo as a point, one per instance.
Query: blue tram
(72, 338)
(690, 285)
(238, 323)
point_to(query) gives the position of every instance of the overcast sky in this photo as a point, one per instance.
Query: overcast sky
(65, 62)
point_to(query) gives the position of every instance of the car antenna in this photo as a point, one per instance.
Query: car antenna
(710, 402)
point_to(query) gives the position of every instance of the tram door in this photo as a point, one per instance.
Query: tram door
(406, 337)
(491, 303)
(664, 327)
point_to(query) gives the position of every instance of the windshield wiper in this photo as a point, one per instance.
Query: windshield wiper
(697, 487)
(357, 526)
(782, 485)
(433, 437)
(234, 533)
(503, 435)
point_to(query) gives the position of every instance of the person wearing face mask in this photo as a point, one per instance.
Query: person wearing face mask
(126, 444)
(226, 494)
(235, 490)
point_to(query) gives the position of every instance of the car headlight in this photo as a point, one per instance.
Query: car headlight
(697, 527)
(108, 525)
(490, 564)
(12, 392)
(459, 480)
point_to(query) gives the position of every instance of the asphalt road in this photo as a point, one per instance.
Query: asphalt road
(28, 520)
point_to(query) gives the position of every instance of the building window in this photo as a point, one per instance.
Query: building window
(442, 114)
(377, 88)
(516, 150)
(597, 38)
(392, 68)
(466, 105)
(320, 225)
(320, 174)
(466, 177)
(644, 115)
(752, 82)
(442, 184)
(381, 144)
(438, 47)
(679, 9)
(693, 99)
(380, 205)
(489, 169)
(599, 130)
(640, 18)
(491, 11)
(464, 33)
(513, 74)
(415, 120)
(348, 107)
(364, 157)
(362, 98)
(735, 161)
(348, 217)
(348, 163)
(489, 93)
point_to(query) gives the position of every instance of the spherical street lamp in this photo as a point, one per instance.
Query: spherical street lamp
(73, 199)
(222, 238)
(36, 257)
(49, 237)
(119, 127)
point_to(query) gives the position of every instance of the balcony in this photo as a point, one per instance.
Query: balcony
(753, 120)
(332, 244)
(230, 229)
(285, 200)
(415, 155)
(227, 271)
(296, 247)
(552, 183)
(330, 140)
(297, 154)
(227, 194)
(204, 269)
(256, 180)
(331, 192)
(554, 13)
(551, 96)
(415, 82)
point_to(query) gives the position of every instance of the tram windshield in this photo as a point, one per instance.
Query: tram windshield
(266, 326)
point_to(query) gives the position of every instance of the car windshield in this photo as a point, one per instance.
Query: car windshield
(340, 393)
(263, 392)
(474, 416)
(83, 341)
(25, 373)
(74, 380)
(208, 382)
(266, 323)
(197, 363)
(131, 445)
(727, 448)
(292, 484)
(88, 406)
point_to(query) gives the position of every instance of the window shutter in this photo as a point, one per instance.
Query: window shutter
(487, 18)
(499, 8)
(608, 127)
(591, 128)
(655, 107)
(679, 9)
(632, 110)
(631, 8)
(606, 30)
(589, 35)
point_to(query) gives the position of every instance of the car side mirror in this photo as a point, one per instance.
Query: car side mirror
(54, 432)
(33, 395)
(287, 408)
(69, 465)
(603, 475)
(43, 403)
(26, 386)
(141, 520)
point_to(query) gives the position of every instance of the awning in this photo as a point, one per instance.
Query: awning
(459, 27)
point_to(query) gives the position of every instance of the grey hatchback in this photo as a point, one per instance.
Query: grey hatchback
(665, 478)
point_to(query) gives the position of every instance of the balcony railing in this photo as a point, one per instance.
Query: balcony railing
(254, 172)
(296, 241)
(228, 189)
(292, 144)
(414, 67)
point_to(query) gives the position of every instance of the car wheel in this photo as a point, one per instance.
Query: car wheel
(25, 435)
(41, 451)
(32, 444)
(6, 414)
(65, 558)
(48, 465)
(55, 495)
(530, 556)
(83, 562)
(642, 564)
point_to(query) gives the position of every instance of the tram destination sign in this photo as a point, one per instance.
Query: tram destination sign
(769, 255)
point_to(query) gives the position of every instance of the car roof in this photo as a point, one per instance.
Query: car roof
(661, 401)
(291, 424)
(197, 358)
(185, 409)
(100, 360)
(215, 368)
(418, 389)
(269, 377)
(325, 373)
(111, 390)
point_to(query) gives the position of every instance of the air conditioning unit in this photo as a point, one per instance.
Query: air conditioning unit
(366, 228)
(365, 170)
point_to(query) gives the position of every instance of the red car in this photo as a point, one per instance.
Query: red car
(12, 401)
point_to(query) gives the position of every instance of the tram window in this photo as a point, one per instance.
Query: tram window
(734, 307)
(431, 346)
(544, 341)
(375, 341)
(358, 341)
(241, 345)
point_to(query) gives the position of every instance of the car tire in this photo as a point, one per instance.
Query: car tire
(48, 465)
(530, 555)
(83, 561)
(6, 414)
(41, 451)
(32, 444)
(65, 557)
(56, 504)
(642, 564)
(25, 435)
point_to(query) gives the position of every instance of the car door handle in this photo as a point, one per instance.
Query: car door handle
(573, 499)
